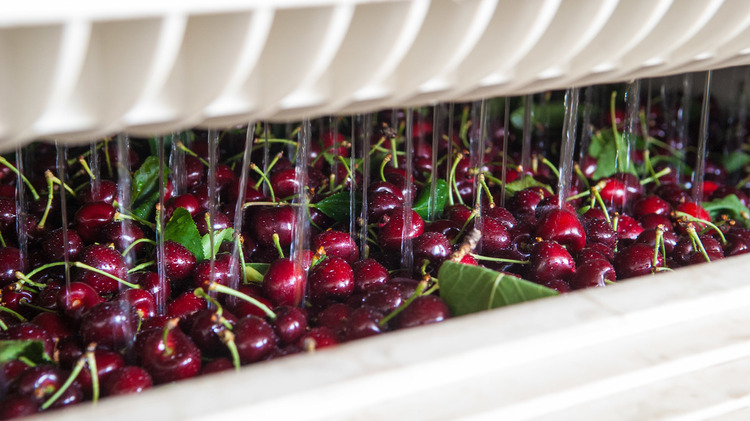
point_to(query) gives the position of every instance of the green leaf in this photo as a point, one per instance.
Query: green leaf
(552, 113)
(422, 205)
(523, 183)
(181, 229)
(256, 271)
(734, 161)
(336, 206)
(13, 349)
(227, 234)
(469, 289)
(145, 187)
(728, 205)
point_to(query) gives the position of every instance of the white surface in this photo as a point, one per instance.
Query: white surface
(79, 69)
(674, 346)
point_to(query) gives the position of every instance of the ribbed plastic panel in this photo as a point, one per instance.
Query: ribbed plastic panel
(77, 70)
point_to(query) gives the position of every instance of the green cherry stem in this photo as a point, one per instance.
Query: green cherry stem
(691, 218)
(103, 273)
(23, 177)
(200, 293)
(579, 173)
(551, 166)
(181, 146)
(136, 242)
(229, 291)
(227, 338)
(656, 176)
(91, 360)
(498, 259)
(385, 162)
(141, 266)
(453, 184)
(417, 293)
(121, 215)
(472, 215)
(50, 195)
(600, 201)
(486, 189)
(277, 244)
(698, 243)
(86, 167)
(13, 313)
(659, 240)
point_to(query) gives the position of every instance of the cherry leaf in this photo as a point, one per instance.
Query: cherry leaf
(13, 349)
(145, 190)
(523, 183)
(728, 205)
(422, 205)
(255, 271)
(469, 289)
(220, 236)
(181, 229)
(336, 206)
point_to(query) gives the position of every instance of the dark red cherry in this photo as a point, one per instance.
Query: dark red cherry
(524, 202)
(290, 324)
(186, 201)
(335, 317)
(652, 221)
(255, 339)
(318, 338)
(636, 260)
(77, 299)
(91, 217)
(423, 310)
(735, 245)
(363, 322)
(724, 191)
(284, 282)
(337, 244)
(127, 380)
(185, 304)
(628, 229)
(393, 231)
(649, 237)
(107, 362)
(169, 360)
(206, 329)
(122, 234)
(600, 231)
(279, 220)
(620, 190)
(194, 170)
(242, 308)
(593, 273)
(368, 275)
(501, 215)
(11, 261)
(53, 324)
(549, 261)
(105, 259)
(331, 279)
(179, 262)
(142, 301)
(224, 267)
(432, 247)
(151, 283)
(380, 204)
(651, 205)
(495, 237)
(458, 214)
(221, 222)
(16, 406)
(448, 228)
(41, 382)
(54, 245)
(563, 227)
(101, 191)
(111, 325)
(216, 366)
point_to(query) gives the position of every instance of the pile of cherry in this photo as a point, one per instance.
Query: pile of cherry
(95, 328)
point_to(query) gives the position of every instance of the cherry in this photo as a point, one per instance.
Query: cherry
(724, 191)
(274, 220)
(9, 373)
(735, 245)
(459, 214)
(103, 191)
(221, 222)
(11, 261)
(620, 190)
(423, 310)
(179, 262)
(224, 266)
(672, 193)
(694, 210)
(600, 231)
(318, 338)
(549, 261)
(552, 203)
(649, 237)
(91, 217)
(563, 227)
(651, 205)
(380, 204)
(54, 245)
(684, 250)
(194, 171)
(628, 228)
(111, 325)
(363, 322)
(150, 282)
(185, 304)
(337, 244)
(446, 227)
(391, 233)
(433, 247)
(122, 234)
(242, 308)
(16, 406)
(142, 301)
(216, 366)
(7, 212)
(107, 362)
(652, 221)
(127, 380)
(206, 328)
(593, 273)
(255, 339)
(14, 298)
(186, 201)
(334, 317)
(53, 324)
(106, 260)
(169, 355)
(76, 299)
(636, 260)
(558, 285)
(290, 324)
(40, 382)
(524, 203)
(368, 275)
(332, 279)
(385, 298)
(28, 331)
(284, 282)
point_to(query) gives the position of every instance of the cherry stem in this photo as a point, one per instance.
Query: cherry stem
(394, 152)
(187, 150)
(120, 215)
(551, 166)
(600, 201)
(227, 337)
(377, 147)
(229, 291)
(91, 359)
(386, 160)
(141, 266)
(453, 183)
(238, 240)
(200, 293)
(277, 244)
(657, 243)
(656, 176)
(71, 378)
(472, 215)
(486, 189)
(697, 240)
(103, 273)
(691, 218)
(417, 293)
(13, 313)
(86, 167)
(136, 242)
(579, 173)
(432, 289)
(23, 177)
(63, 185)
(498, 259)
(25, 280)
(50, 195)
(3, 326)
(171, 324)
(2, 239)
(106, 156)
(578, 196)
(615, 133)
